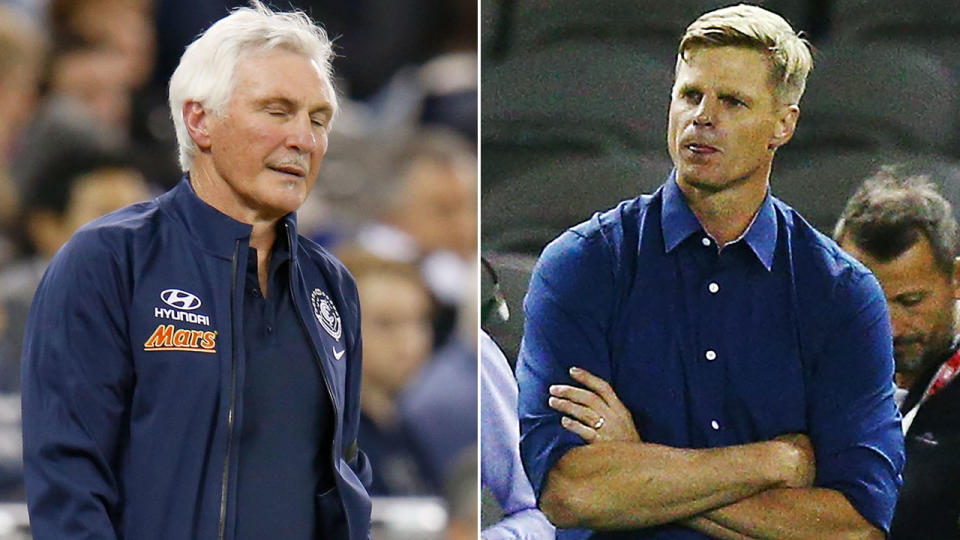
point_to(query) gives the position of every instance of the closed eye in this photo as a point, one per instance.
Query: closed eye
(910, 299)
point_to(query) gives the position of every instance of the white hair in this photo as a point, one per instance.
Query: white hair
(206, 70)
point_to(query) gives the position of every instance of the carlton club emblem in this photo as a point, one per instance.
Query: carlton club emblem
(326, 313)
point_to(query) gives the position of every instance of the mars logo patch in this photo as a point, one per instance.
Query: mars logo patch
(167, 337)
(326, 313)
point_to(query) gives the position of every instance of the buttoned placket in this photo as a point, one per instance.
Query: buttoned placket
(711, 355)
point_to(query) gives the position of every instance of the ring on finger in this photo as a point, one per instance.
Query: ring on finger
(599, 423)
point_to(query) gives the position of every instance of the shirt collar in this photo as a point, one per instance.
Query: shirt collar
(677, 221)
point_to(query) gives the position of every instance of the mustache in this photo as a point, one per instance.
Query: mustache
(292, 162)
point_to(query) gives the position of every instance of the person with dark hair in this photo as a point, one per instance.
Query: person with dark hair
(701, 362)
(904, 231)
(22, 53)
(72, 188)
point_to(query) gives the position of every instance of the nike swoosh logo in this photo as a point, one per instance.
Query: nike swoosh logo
(337, 355)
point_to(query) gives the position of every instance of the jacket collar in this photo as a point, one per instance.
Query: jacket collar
(215, 231)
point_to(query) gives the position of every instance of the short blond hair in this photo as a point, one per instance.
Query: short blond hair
(753, 27)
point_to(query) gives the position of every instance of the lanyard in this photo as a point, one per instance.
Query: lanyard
(944, 375)
(948, 370)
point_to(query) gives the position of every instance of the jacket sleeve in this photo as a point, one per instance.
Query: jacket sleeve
(354, 455)
(77, 377)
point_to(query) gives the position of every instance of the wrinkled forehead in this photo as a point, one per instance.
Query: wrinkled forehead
(277, 70)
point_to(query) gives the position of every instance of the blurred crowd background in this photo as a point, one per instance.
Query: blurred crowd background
(576, 93)
(85, 128)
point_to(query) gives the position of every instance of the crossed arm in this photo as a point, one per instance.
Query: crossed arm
(618, 481)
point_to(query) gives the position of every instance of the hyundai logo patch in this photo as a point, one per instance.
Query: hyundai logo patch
(180, 299)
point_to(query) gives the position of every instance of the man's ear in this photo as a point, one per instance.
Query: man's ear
(197, 120)
(786, 125)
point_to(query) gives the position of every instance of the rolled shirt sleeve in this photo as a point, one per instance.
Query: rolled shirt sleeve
(853, 420)
(567, 307)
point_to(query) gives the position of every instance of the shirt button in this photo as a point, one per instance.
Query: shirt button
(715, 425)
(269, 329)
(711, 355)
(705, 241)
(713, 287)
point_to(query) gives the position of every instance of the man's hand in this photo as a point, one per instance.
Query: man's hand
(595, 413)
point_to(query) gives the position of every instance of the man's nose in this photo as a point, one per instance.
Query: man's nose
(705, 112)
(302, 135)
(901, 322)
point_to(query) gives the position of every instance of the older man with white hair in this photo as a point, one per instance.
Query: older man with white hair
(191, 365)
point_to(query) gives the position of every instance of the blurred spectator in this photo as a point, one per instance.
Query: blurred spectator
(21, 55)
(85, 109)
(501, 470)
(426, 215)
(449, 87)
(440, 405)
(70, 190)
(449, 79)
(440, 90)
(96, 88)
(419, 410)
(124, 27)
(377, 38)
(396, 334)
(904, 231)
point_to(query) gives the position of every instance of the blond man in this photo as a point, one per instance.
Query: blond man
(701, 362)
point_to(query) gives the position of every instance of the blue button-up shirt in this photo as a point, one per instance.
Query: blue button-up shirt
(778, 332)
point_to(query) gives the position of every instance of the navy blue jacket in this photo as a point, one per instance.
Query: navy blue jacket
(133, 369)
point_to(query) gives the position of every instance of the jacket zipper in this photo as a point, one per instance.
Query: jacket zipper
(233, 394)
(319, 361)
